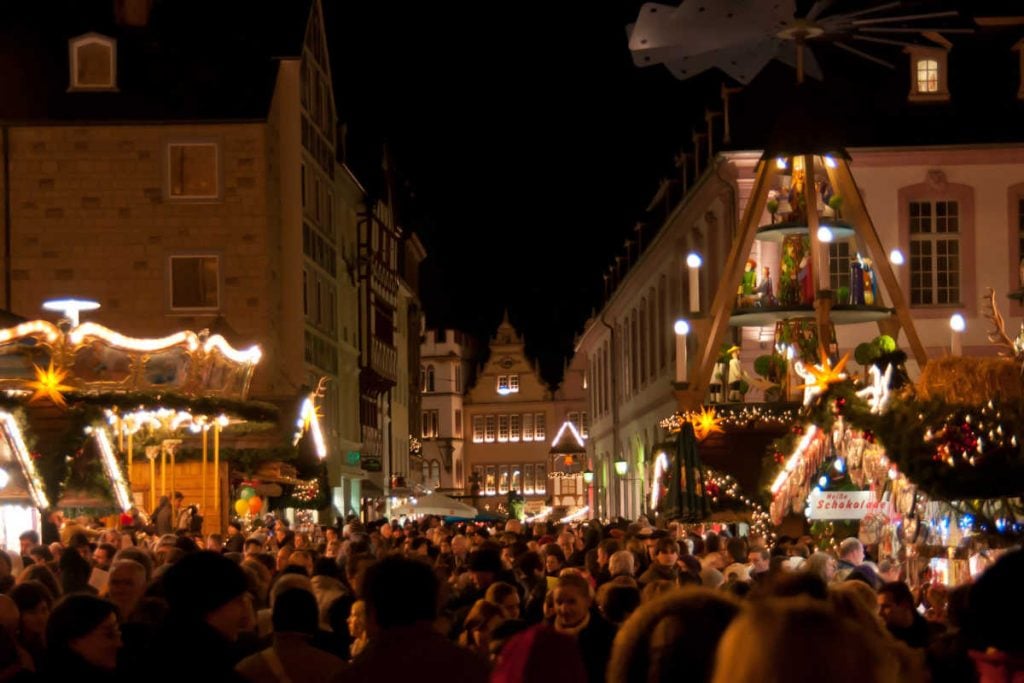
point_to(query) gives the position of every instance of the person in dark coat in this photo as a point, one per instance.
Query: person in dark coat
(576, 616)
(82, 639)
(163, 517)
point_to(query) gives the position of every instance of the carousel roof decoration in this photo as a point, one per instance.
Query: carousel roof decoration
(819, 377)
(734, 417)
(67, 383)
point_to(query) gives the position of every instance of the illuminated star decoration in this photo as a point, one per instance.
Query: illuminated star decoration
(48, 384)
(817, 378)
(705, 423)
(877, 393)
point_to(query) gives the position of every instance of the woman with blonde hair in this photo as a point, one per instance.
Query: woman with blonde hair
(480, 623)
(576, 617)
(672, 638)
(769, 641)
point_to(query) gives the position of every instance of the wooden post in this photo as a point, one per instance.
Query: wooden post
(216, 473)
(163, 469)
(130, 455)
(205, 443)
(822, 298)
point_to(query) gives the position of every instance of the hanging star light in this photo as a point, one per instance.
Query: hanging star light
(877, 393)
(705, 423)
(49, 384)
(817, 378)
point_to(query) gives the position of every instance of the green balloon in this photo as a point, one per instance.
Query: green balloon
(247, 492)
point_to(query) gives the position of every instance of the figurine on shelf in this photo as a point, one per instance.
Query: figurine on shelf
(764, 295)
(792, 253)
(797, 201)
(735, 375)
(773, 204)
(870, 284)
(805, 277)
(856, 282)
(747, 285)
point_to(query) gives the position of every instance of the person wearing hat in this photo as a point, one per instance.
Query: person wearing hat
(209, 609)
(735, 375)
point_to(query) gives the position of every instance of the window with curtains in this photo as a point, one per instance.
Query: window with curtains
(491, 480)
(478, 428)
(515, 428)
(195, 282)
(538, 427)
(503, 428)
(528, 478)
(489, 428)
(192, 170)
(528, 427)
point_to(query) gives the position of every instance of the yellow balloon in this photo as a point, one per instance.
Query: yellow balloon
(241, 507)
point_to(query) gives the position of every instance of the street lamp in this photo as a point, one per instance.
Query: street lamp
(620, 469)
(693, 262)
(681, 328)
(957, 324)
(588, 477)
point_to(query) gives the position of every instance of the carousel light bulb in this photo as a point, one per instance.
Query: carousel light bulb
(681, 327)
(824, 234)
(823, 482)
(896, 257)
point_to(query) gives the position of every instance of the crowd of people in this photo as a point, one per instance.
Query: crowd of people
(507, 603)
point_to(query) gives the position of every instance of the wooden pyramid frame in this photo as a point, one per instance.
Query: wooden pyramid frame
(711, 326)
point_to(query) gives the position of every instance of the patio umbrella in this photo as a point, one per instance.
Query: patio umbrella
(436, 504)
(686, 498)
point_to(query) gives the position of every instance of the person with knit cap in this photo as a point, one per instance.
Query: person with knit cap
(209, 608)
(82, 639)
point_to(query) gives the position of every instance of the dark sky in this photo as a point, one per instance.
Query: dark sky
(528, 140)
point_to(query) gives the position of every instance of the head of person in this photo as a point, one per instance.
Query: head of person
(673, 638)
(666, 552)
(573, 598)
(215, 542)
(896, 605)
(851, 550)
(252, 546)
(484, 566)
(302, 558)
(86, 627)
(357, 619)
(205, 587)
(234, 528)
(617, 601)
(34, 603)
(821, 564)
(554, 558)
(759, 559)
(103, 556)
(28, 540)
(505, 596)
(126, 585)
(295, 611)
(482, 619)
(888, 570)
(769, 639)
(993, 598)
(139, 555)
(622, 563)
(179, 498)
(399, 592)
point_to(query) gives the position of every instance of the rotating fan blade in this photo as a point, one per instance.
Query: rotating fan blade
(905, 17)
(889, 41)
(870, 10)
(864, 55)
(816, 9)
(742, 63)
(666, 34)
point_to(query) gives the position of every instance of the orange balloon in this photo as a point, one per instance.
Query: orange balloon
(255, 504)
(241, 507)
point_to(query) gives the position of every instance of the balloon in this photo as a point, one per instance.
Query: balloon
(247, 492)
(241, 507)
(255, 505)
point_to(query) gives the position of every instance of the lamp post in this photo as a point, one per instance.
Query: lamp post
(957, 325)
(588, 481)
(682, 328)
(693, 262)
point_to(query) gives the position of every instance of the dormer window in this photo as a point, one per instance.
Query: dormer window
(93, 62)
(928, 71)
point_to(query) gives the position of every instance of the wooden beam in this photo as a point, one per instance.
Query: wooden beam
(842, 180)
(711, 329)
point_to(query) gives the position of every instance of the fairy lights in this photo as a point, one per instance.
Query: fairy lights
(78, 335)
(572, 429)
(794, 459)
(17, 444)
(818, 378)
(309, 421)
(737, 417)
(579, 514)
(112, 468)
(660, 465)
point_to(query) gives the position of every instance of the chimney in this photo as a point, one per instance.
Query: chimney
(132, 13)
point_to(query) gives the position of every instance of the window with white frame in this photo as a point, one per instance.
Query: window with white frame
(528, 427)
(928, 73)
(502, 384)
(515, 429)
(195, 282)
(503, 428)
(934, 253)
(93, 62)
(584, 425)
(503, 479)
(538, 427)
(478, 428)
(540, 483)
(192, 170)
(513, 383)
(516, 482)
(528, 478)
(490, 480)
(489, 428)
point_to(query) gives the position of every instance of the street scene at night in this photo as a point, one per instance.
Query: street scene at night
(347, 341)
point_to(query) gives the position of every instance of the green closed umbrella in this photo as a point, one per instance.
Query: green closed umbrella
(686, 498)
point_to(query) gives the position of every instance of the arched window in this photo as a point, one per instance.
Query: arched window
(93, 62)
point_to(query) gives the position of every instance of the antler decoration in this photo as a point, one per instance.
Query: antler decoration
(321, 387)
(998, 336)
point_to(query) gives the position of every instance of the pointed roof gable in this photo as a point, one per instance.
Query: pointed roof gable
(567, 441)
(506, 333)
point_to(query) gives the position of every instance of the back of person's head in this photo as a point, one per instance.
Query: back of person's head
(326, 566)
(794, 584)
(44, 575)
(672, 638)
(899, 592)
(74, 573)
(769, 641)
(202, 582)
(499, 591)
(617, 602)
(73, 617)
(286, 582)
(139, 555)
(539, 654)
(849, 546)
(855, 600)
(622, 562)
(610, 546)
(30, 594)
(737, 548)
(657, 588)
(530, 563)
(400, 592)
(995, 599)
(295, 611)
(864, 573)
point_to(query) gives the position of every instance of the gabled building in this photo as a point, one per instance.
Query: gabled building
(513, 417)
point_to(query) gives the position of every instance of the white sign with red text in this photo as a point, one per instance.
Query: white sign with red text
(845, 504)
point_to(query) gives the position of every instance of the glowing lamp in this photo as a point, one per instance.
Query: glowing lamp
(620, 467)
(957, 323)
(693, 260)
(681, 327)
(71, 307)
(824, 234)
(588, 477)
(896, 257)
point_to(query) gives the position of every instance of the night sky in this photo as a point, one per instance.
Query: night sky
(528, 145)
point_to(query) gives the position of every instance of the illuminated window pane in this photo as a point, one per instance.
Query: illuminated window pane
(927, 76)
